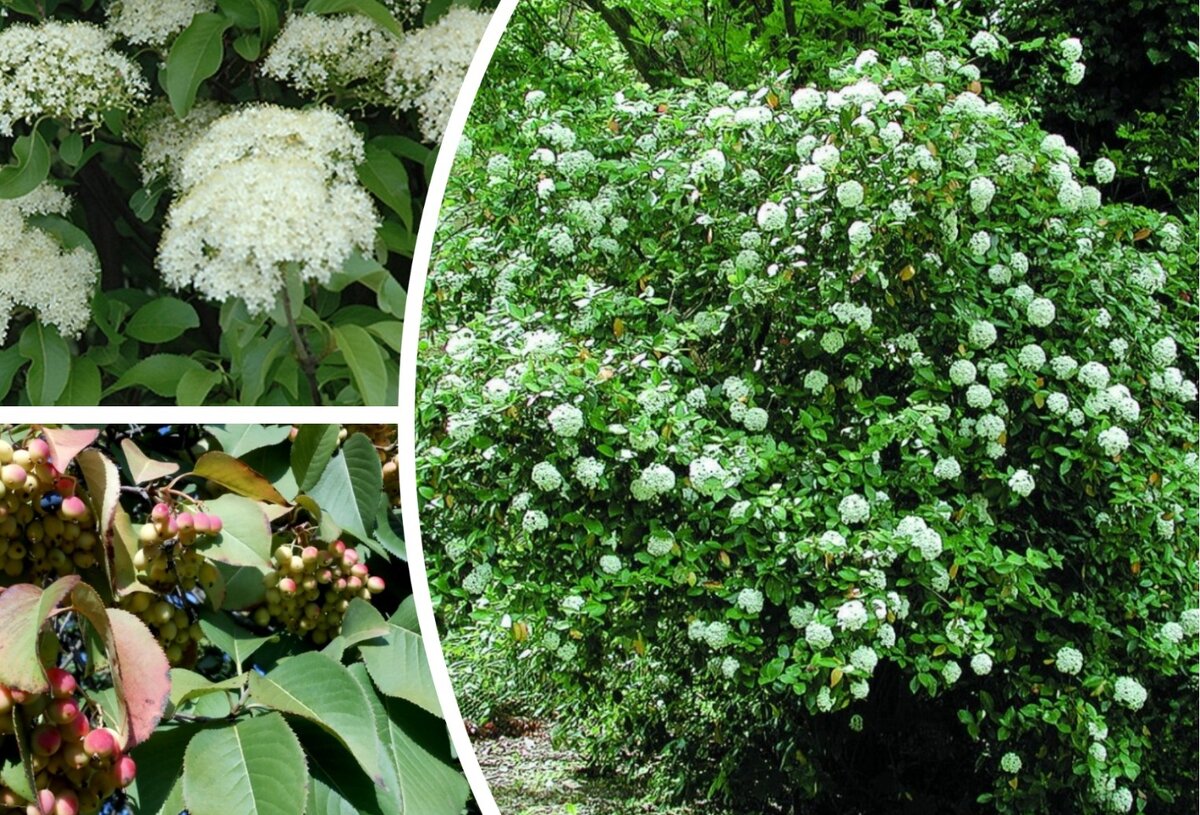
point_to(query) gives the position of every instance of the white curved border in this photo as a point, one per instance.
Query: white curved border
(408, 394)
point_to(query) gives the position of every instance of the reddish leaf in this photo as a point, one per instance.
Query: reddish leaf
(66, 444)
(142, 467)
(236, 476)
(24, 609)
(143, 671)
(104, 487)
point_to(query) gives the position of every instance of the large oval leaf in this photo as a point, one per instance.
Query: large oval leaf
(321, 690)
(195, 56)
(350, 488)
(255, 767)
(233, 474)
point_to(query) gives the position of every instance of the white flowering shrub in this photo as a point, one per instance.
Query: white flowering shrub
(216, 202)
(953, 512)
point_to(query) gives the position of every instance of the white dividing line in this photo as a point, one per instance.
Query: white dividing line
(408, 394)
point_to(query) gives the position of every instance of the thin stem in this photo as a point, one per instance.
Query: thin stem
(307, 361)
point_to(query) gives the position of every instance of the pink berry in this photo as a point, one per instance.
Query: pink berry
(214, 524)
(184, 522)
(73, 508)
(62, 684)
(13, 475)
(67, 803)
(375, 584)
(101, 743)
(46, 740)
(62, 711)
(44, 804)
(124, 771)
(160, 512)
(38, 450)
(287, 585)
(200, 522)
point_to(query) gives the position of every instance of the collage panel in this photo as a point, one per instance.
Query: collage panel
(212, 619)
(805, 410)
(216, 202)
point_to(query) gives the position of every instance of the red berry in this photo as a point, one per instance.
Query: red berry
(101, 743)
(46, 740)
(124, 771)
(62, 684)
(67, 803)
(76, 729)
(44, 804)
(62, 711)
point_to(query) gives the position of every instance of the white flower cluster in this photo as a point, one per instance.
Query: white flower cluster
(660, 543)
(1021, 482)
(654, 480)
(1113, 441)
(818, 635)
(477, 580)
(65, 71)
(947, 469)
(319, 54)
(566, 421)
(951, 672)
(750, 601)
(981, 334)
(981, 664)
(1040, 312)
(1010, 763)
(864, 659)
(546, 476)
(981, 191)
(1129, 692)
(772, 217)
(854, 509)
(588, 471)
(267, 192)
(429, 67)
(1190, 621)
(707, 475)
(534, 520)
(39, 273)
(926, 540)
(610, 564)
(154, 22)
(984, 44)
(852, 615)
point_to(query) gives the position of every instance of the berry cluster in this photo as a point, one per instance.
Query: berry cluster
(45, 528)
(311, 588)
(75, 766)
(168, 563)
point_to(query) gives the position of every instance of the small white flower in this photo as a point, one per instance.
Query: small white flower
(1113, 441)
(818, 635)
(566, 420)
(981, 664)
(750, 601)
(1074, 73)
(851, 615)
(947, 469)
(826, 157)
(984, 44)
(1070, 49)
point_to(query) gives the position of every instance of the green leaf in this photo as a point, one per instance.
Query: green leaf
(195, 56)
(83, 386)
(162, 320)
(70, 149)
(311, 451)
(386, 176)
(248, 47)
(239, 439)
(238, 642)
(235, 475)
(254, 766)
(319, 689)
(339, 786)
(157, 787)
(389, 532)
(159, 373)
(399, 667)
(49, 363)
(351, 487)
(243, 585)
(195, 385)
(416, 744)
(11, 361)
(31, 168)
(369, 8)
(245, 538)
(368, 364)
